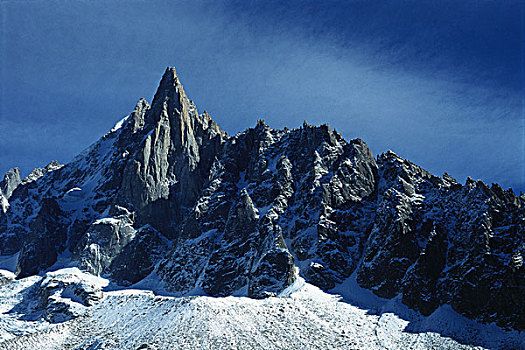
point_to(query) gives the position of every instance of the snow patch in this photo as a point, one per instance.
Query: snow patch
(119, 124)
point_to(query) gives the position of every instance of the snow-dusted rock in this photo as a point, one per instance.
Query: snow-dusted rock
(37, 173)
(6, 277)
(10, 182)
(67, 293)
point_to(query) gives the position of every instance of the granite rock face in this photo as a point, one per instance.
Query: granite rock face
(167, 194)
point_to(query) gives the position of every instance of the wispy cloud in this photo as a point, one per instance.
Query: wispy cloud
(402, 77)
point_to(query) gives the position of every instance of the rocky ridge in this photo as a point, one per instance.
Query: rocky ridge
(168, 195)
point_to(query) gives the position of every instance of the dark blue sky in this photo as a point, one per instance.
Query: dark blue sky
(438, 82)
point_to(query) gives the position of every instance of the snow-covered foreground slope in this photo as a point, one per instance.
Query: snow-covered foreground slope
(302, 317)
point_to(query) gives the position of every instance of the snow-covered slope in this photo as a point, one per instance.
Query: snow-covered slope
(302, 317)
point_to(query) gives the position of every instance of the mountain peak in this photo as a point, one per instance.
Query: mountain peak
(170, 93)
(170, 76)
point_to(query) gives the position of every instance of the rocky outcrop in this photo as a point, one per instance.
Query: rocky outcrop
(167, 194)
(39, 172)
(104, 241)
(10, 182)
(66, 295)
(7, 186)
(47, 235)
(139, 257)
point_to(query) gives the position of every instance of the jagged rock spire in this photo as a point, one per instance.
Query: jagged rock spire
(177, 151)
(138, 115)
(7, 186)
(170, 93)
(171, 104)
(10, 182)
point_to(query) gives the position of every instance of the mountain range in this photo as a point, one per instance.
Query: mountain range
(167, 201)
